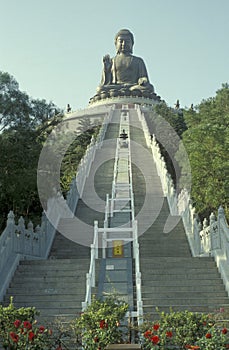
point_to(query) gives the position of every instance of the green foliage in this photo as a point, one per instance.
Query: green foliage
(99, 324)
(19, 331)
(214, 339)
(174, 117)
(184, 330)
(207, 144)
(19, 152)
(24, 125)
(168, 126)
(73, 155)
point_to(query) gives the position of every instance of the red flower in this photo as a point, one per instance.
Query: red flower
(96, 339)
(156, 326)
(17, 323)
(41, 329)
(148, 334)
(103, 324)
(14, 337)
(194, 347)
(31, 335)
(27, 325)
(224, 330)
(169, 334)
(155, 339)
(59, 348)
(208, 335)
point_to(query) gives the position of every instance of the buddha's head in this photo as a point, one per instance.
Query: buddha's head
(124, 41)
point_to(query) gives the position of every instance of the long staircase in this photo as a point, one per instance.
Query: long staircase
(170, 276)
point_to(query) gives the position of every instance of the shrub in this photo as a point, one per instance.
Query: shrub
(175, 329)
(99, 325)
(19, 329)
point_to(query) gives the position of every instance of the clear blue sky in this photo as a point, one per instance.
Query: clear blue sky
(54, 48)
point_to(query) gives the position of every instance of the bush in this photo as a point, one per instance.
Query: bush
(184, 330)
(19, 329)
(100, 324)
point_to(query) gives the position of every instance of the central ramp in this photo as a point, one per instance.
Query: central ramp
(116, 266)
(118, 239)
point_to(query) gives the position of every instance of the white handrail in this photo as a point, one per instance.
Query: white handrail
(90, 277)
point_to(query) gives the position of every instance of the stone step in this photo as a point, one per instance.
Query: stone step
(38, 270)
(58, 305)
(152, 244)
(54, 267)
(180, 287)
(153, 311)
(172, 265)
(47, 319)
(47, 288)
(55, 297)
(50, 262)
(167, 283)
(161, 300)
(67, 311)
(183, 260)
(182, 295)
(179, 271)
(33, 280)
(62, 268)
(213, 275)
(64, 248)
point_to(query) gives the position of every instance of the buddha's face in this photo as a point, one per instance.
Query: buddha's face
(124, 44)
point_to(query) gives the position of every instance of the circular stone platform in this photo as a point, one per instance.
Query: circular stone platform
(124, 100)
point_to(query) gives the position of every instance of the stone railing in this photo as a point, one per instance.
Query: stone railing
(205, 239)
(166, 179)
(18, 242)
(214, 241)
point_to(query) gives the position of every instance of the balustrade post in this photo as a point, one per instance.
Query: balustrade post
(29, 238)
(37, 241)
(10, 227)
(21, 235)
(96, 239)
(221, 216)
(92, 272)
(220, 220)
(196, 233)
(104, 243)
(214, 232)
(44, 235)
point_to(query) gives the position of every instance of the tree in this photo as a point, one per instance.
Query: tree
(168, 126)
(24, 124)
(207, 143)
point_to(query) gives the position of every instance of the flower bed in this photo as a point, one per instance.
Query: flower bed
(185, 330)
(19, 330)
(104, 323)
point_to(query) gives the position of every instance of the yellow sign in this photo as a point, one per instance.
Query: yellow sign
(118, 249)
